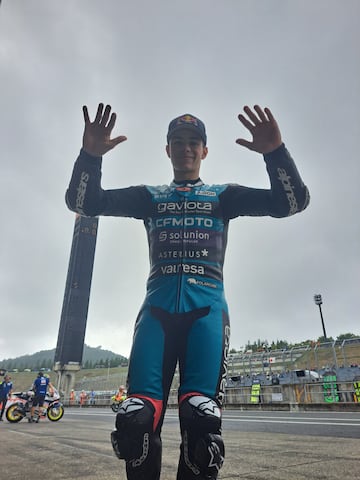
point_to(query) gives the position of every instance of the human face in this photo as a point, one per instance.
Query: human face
(186, 150)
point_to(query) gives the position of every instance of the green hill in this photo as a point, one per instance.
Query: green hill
(98, 378)
(92, 357)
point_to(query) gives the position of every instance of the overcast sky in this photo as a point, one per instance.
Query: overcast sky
(153, 61)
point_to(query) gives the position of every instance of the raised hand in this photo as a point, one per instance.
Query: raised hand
(264, 129)
(97, 134)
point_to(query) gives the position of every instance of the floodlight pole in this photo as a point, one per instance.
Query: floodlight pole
(318, 301)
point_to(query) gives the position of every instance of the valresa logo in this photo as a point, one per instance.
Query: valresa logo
(184, 206)
(183, 268)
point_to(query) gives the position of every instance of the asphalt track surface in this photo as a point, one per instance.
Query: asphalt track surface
(259, 446)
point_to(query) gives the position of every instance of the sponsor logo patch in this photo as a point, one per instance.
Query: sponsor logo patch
(289, 189)
(183, 206)
(205, 193)
(202, 283)
(81, 191)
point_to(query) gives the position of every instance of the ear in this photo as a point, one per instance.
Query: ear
(204, 154)
(167, 148)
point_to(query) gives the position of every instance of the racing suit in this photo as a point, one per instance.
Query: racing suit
(5, 389)
(184, 317)
(40, 387)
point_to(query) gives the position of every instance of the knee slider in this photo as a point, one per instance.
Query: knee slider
(203, 446)
(201, 414)
(134, 428)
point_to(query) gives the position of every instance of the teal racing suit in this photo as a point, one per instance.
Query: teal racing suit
(184, 318)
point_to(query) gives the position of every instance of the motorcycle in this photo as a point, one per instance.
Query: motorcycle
(19, 407)
(115, 403)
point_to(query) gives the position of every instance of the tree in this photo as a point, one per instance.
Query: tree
(325, 339)
(346, 336)
(279, 345)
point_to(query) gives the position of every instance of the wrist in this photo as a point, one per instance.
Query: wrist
(90, 156)
(273, 149)
(91, 152)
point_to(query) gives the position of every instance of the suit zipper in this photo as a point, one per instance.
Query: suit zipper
(181, 272)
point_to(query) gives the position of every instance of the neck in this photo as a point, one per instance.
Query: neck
(181, 178)
(187, 180)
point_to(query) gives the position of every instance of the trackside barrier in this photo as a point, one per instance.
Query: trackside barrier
(357, 391)
(280, 396)
(100, 400)
(255, 393)
(330, 388)
(276, 397)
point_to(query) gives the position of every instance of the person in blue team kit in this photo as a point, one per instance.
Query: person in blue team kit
(40, 387)
(184, 318)
(6, 387)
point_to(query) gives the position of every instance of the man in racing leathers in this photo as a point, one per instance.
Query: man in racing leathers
(6, 388)
(40, 388)
(184, 318)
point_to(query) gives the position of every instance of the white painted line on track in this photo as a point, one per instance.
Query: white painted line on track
(336, 421)
(302, 422)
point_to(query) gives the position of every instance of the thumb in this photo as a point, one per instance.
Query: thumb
(245, 143)
(115, 141)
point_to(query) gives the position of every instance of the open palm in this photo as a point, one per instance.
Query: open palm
(264, 129)
(97, 134)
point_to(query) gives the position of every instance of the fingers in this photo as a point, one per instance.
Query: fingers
(99, 113)
(263, 127)
(102, 116)
(245, 122)
(260, 113)
(112, 121)
(86, 114)
(252, 115)
(255, 118)
(105, 117)
(97, 133)
(269, 114)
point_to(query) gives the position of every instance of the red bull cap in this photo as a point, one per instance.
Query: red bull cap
(187, 121)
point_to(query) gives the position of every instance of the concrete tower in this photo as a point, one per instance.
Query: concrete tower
(70, 343)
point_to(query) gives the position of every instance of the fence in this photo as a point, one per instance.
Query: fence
(317, 356)
(311, 394)
(277, 397)
(338, 356)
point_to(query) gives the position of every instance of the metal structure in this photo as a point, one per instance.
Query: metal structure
(318, 301)
(70, 343)
(315, 356)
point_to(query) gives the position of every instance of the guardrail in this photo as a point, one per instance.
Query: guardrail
(292, 394)
(329, 395)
